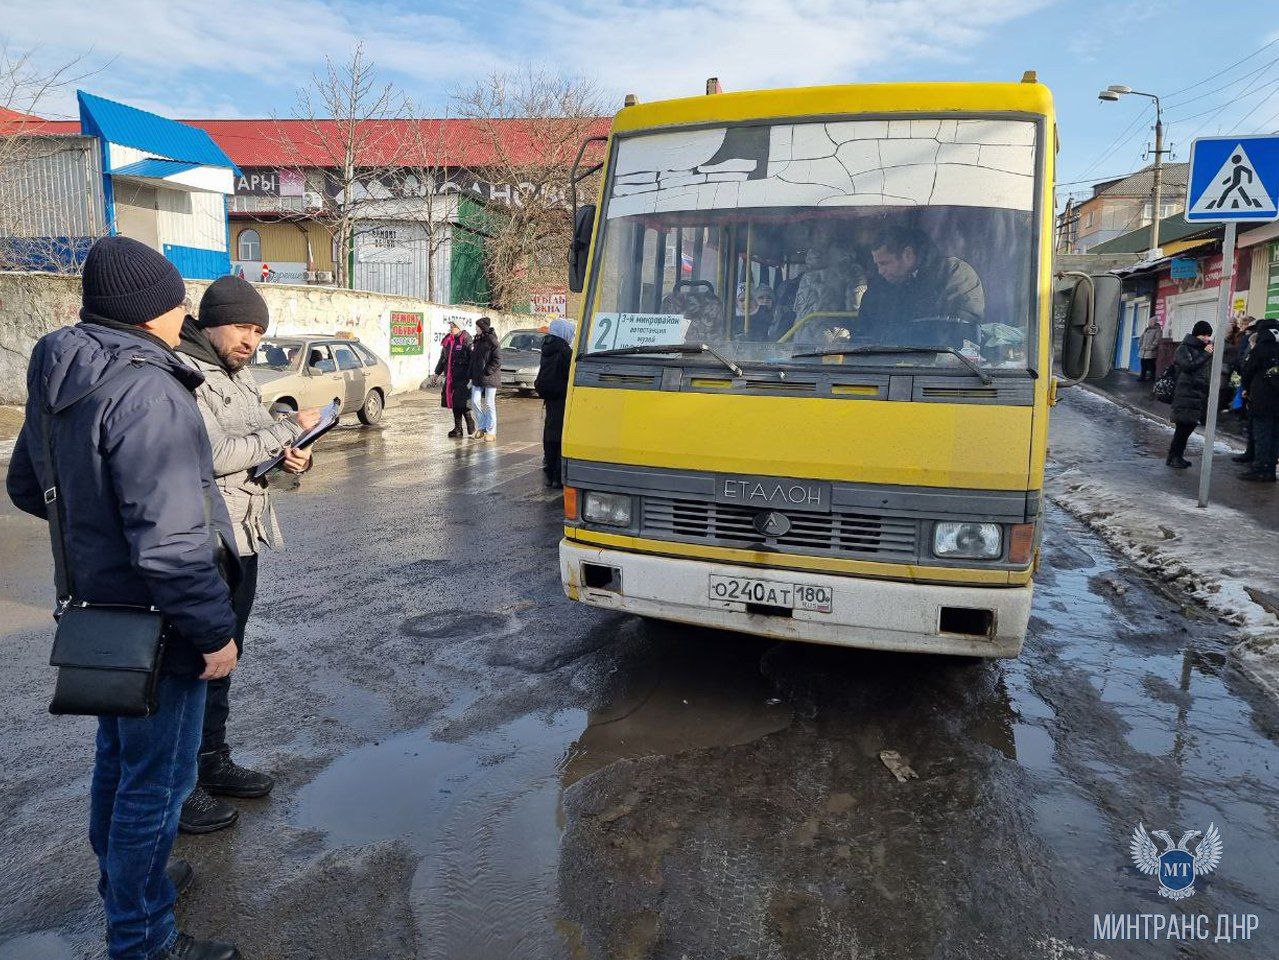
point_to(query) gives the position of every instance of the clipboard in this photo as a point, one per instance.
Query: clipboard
(328, 420)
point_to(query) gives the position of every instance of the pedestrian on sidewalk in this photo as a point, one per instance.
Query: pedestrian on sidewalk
(1251, 328)
(1148, 348)
(486, 377)
(1261, 384)
(552, 387)
(1190, 396)
(142, 527)
(455, 389)
(219, 342)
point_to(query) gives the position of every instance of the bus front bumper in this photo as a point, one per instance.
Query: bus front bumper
(868, 613)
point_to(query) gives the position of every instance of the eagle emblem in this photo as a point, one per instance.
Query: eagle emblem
(1176, 867)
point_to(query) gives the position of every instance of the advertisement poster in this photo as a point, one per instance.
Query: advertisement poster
(406, 334)
(548, 304)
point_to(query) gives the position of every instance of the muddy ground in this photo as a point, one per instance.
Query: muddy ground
(471, 767)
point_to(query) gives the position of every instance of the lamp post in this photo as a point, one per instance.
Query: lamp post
(1114, 92)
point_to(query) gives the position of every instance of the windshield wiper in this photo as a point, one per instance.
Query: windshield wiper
(853, 351)
(684, 348)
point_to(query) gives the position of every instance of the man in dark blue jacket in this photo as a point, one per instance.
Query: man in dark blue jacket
(143, 525)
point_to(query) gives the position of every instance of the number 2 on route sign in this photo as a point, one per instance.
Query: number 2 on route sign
(1233, 178)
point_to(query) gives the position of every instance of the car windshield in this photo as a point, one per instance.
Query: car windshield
(523, 340)
(277, 354)
(798, 242)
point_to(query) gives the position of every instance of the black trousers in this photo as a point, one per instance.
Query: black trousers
(552, 439)
(1265, 432)
(217, 703)
(1181, 433)
(1147, 368)
(458, 416)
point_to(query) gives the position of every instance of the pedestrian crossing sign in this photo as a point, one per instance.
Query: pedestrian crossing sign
(1233, 178)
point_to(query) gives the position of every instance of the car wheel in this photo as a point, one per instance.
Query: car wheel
(281, 408)
(371, 412)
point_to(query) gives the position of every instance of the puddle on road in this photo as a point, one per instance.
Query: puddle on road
(1127, 715)
(485, 814)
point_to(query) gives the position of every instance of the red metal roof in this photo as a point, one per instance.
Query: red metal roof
(296, 143)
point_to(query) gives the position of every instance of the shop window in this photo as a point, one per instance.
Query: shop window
(248, 245)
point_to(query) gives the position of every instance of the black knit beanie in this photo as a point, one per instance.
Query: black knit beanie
(127, 281)
(1202, 328)
(232, 300)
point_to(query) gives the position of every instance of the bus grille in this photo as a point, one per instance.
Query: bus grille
(835, 534)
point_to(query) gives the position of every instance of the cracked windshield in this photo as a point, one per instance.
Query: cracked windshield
(813, 242)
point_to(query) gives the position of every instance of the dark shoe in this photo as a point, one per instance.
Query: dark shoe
(1258, 477)
(455, 434)
(1242, 458)
(204, 814)
(188, 948)
(222, 776)
(181, 873)
(1181, 463)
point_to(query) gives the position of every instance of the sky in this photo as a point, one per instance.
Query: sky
(249, 60)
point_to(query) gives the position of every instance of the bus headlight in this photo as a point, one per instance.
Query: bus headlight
(973, 541)
(610, 509)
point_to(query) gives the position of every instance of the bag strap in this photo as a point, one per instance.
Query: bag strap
(53, 510)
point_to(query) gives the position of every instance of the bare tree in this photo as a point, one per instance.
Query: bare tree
(40, 228)
(369, 159)
(530, 125)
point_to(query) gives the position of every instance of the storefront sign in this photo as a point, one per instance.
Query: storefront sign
(407, 339)
(1272, 282)
(1184, 268)
(270, 183)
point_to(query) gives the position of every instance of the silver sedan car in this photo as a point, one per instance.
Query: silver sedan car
(295, 373)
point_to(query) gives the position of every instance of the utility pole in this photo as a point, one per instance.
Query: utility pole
(1114, 92)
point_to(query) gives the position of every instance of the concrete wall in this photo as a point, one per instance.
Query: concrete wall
(33, 304)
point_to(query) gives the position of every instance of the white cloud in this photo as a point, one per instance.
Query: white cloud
(185, 58)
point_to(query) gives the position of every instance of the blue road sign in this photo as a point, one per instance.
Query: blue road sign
(1233, 178)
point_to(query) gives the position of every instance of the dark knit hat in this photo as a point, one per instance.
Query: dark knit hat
(232, 300)
(127, 281)
(1201, 329)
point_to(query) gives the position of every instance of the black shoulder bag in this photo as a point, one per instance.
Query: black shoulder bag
(108, 656)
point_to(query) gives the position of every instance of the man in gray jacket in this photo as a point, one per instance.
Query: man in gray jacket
(220, 343)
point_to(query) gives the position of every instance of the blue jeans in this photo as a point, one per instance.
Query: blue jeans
(484, 400)
(145, 767)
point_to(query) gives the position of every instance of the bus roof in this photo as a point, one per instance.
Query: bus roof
(841, 100)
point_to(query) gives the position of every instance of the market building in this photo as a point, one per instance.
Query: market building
(119, 170)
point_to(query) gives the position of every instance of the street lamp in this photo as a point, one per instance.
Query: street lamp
(1113, 93)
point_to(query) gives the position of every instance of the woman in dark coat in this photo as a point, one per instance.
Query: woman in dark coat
(1190, 397)
(1262, 389)
(552, 387)
(486, 377)
(455, 387)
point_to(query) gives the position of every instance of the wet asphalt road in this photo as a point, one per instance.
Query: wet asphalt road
(471, 767)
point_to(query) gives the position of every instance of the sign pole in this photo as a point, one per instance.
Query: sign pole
(1224, 293)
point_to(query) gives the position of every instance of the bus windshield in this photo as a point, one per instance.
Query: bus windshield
(808, 242)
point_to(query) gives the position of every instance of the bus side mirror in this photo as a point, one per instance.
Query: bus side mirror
(580, 248)
(1092, 324)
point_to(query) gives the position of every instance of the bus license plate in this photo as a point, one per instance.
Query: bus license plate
(771, 593)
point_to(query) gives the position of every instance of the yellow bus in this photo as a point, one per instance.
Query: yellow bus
(810, 391)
